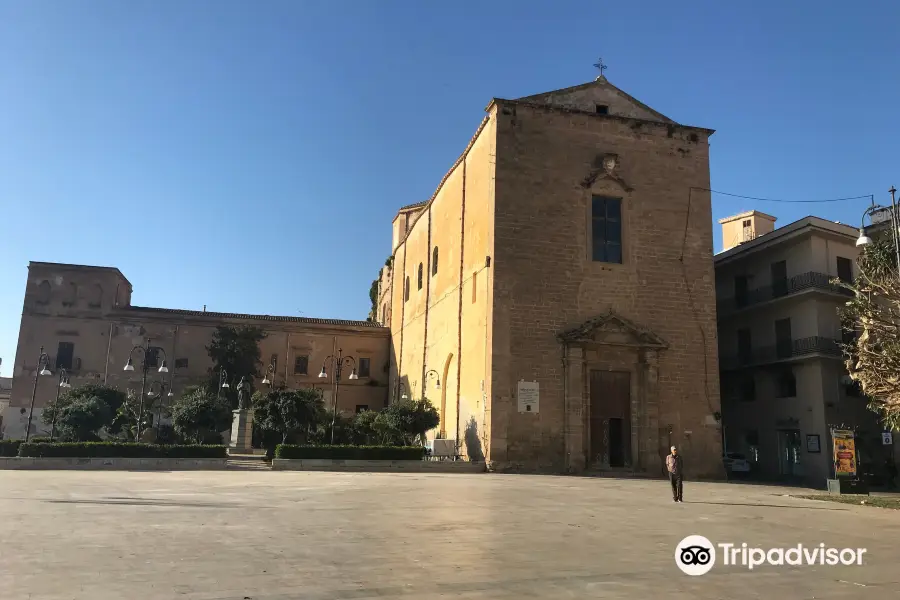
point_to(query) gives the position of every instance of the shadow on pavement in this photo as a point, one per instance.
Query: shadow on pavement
(766, 505)
(142, 502)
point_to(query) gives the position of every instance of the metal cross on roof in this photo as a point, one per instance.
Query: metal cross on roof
(600, 66)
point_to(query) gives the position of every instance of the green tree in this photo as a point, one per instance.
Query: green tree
(373, 299)
(200, 416)
(873, 357)
(125, 417)
(236, 350)
(85, 413)
(81, 419)
(411, 419)
(375, 428)
(292, 414)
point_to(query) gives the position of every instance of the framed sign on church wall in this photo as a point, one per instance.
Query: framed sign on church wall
(529, 396)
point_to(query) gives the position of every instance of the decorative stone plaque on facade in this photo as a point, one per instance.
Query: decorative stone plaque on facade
(529, 396)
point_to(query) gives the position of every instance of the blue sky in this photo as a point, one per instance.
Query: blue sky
(250, 155)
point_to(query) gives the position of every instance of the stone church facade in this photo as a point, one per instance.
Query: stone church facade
(569, 248)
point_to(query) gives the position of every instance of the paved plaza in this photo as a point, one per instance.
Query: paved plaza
(234, 535)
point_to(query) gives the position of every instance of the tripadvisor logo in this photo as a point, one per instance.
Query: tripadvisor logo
(696, 555)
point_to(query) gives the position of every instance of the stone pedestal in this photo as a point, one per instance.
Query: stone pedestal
(241, 432)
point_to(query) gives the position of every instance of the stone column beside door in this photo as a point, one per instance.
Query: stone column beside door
(575, 409)
(648, 426)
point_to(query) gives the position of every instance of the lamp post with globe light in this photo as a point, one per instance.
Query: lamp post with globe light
(269, 377)
(147, 352)
(223, 382)
(43, 363)
(865, 240)
(158, 390)
(437, 384)
(336, 363)
(63, 385)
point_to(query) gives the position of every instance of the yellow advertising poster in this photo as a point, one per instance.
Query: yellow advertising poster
(844, 453)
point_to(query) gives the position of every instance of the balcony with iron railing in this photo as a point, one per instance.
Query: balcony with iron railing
(784, 351)
(779, 289)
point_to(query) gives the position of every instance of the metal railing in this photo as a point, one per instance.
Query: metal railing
(779, 289)
(786, 350)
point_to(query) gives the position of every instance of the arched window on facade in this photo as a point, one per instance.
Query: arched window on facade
(420, 276)
(434, 261)
(96, 297)
(43, 292)
(71, 294)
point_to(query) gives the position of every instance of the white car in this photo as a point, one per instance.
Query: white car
(736, 463)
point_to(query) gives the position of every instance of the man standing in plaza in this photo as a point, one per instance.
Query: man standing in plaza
(675, 466)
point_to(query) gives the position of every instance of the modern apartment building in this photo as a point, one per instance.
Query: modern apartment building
(783, 381)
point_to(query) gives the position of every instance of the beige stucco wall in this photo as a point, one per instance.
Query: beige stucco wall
(447, 318)
(734, 233)
(475, 410)
(811, 313)
(768, 413)
(806, 321)
(802, 254)
(821, 403)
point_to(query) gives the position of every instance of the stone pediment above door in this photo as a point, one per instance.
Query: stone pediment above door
(612, 329)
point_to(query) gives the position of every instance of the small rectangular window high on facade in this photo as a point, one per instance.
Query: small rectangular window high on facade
(152, 357)
(606, 229)
(364, 366)
(845, 269)
(65, 352)
(301, 365)
(601, 109)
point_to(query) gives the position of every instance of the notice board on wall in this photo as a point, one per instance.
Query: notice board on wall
(529, 396)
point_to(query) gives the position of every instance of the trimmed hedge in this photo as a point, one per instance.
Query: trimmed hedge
(350, 452)
(119, 450)
(10, 447)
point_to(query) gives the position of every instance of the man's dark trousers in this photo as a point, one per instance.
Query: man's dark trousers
(675, 479)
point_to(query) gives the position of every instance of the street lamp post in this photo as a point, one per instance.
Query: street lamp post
(129, 366)
(223, 382)
(63, 384)
(437, 384)
(269, 377)
(865, 240)
(337, 364)
(43, 363)
(157, 388)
